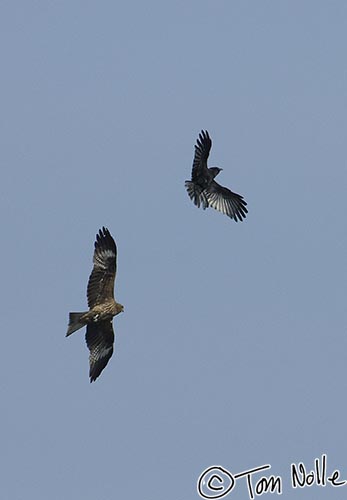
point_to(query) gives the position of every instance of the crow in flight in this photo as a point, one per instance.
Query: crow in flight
(205, 191)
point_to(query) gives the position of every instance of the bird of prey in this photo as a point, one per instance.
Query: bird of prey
(101, 303)
(205, 191)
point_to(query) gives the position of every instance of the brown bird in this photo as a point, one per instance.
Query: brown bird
(101, 303)
(205, 191)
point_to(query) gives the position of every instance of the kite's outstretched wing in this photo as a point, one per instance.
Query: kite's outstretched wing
(100, 340)
(101, 281)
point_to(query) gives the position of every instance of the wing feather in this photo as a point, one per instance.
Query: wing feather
(101, 280)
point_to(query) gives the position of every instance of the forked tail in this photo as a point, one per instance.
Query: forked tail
(75, 322)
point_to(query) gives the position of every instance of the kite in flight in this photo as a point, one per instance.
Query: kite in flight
(205, 191)
(101, 303)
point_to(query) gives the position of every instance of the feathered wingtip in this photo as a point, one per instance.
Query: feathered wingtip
(74, 322)
(196, 194)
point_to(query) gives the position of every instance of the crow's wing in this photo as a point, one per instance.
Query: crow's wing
(202, 150)
(227, 202)
(100, 340)
(101, 281)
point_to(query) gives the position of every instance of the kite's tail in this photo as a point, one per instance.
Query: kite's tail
(75, 322)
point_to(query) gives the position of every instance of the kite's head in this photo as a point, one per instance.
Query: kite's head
(120, 308)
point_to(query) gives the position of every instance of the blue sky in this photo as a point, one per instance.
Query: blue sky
(232, 346)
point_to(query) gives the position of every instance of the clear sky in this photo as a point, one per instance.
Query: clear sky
(232, 347)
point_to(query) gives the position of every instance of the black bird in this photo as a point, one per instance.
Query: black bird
(205, 191)
(101, 303)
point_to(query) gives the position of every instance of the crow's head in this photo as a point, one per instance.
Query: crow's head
(215, 171)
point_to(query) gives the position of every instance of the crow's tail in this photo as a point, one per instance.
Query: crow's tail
(197, 194)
